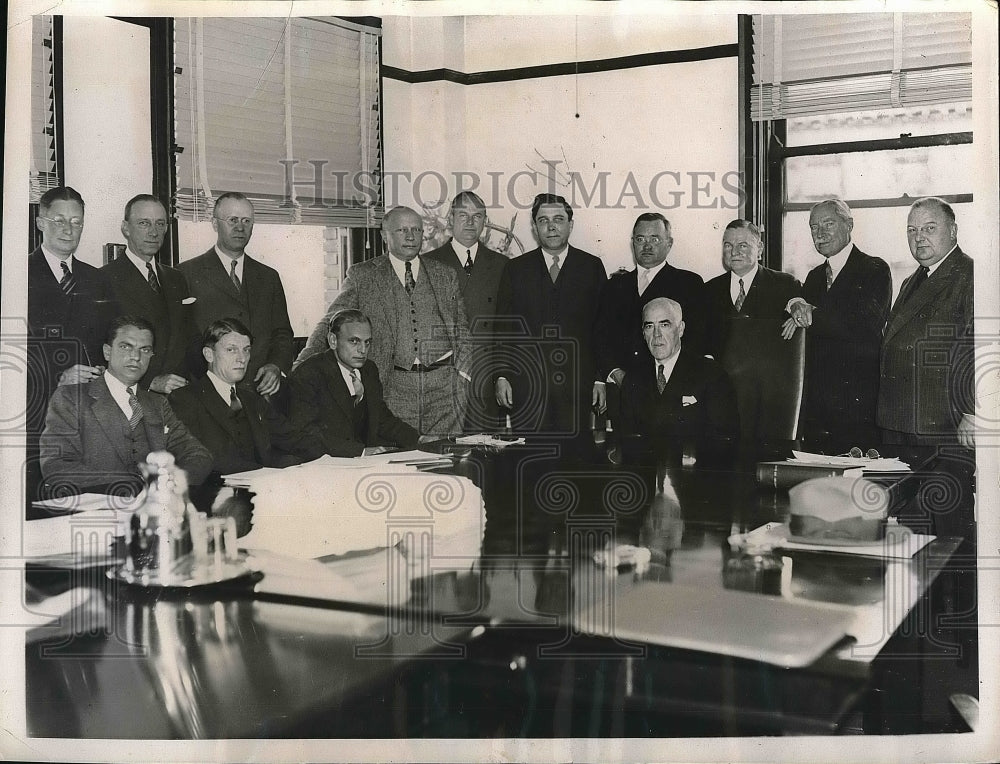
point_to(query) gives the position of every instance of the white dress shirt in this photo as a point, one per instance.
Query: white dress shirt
(463, 251)
(140, 264)
(54, 263)
(119, 392)
(399, 267)
(227, 264)
(734, 282)
(222, 387)
(649, 273)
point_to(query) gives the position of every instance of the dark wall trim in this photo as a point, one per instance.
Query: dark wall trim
(558, 70)
(884, 144)
(745, 129)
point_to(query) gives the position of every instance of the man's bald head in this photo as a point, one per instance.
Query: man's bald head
(403, 231)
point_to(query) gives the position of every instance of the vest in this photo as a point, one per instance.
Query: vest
(243, 436)
(420, 327)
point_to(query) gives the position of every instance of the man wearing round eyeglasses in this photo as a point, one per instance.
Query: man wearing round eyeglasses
(157, 292)
(98, 432)
(227, 282)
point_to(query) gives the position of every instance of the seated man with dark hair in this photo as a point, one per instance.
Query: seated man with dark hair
(336, 396)
(676, 398)
(235, 422)
(97, 432)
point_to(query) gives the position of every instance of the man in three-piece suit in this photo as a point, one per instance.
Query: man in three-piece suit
(479, 270)
(232, 420)
(619, 341)
(844, 304)
(336, 395)
(226, 281)
(97, 432)
(926, 401)
(745, 303)
(548, 377)
(158, 293)
(675, 398)
(419, 328)
(69, 307)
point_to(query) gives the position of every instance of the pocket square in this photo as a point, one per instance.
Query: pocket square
(188, 300)
(688, 400)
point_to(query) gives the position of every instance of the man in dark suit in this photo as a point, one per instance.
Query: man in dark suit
(421, 335)
(479, 270)
(97, 432)
(232, 420)
(227, 282)
(926, 401)
(69, 307)
(154, 291)
(676, 398)
(336, 395)
(844, 304)
(747, 304)
(619, 341)
(547, 372)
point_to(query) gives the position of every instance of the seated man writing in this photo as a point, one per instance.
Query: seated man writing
(676, 398)
(97, 432)
(235, 422)
(336, 396)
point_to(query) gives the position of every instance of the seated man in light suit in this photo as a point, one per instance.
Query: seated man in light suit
(96, 433)
(336, 396)
(235, 422)
(676, 399)
(421, 335)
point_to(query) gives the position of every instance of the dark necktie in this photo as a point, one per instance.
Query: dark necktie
(67, 282)
(919, 278)
(235, 404)
(829, 275)
(133, 421)
(468, 262)
(233, 276)
(154, 283)
(554, 269)
(741, 297)
(359, 389)
(408, 281)
(661, 381)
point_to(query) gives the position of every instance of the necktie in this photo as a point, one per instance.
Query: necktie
(554, 269)
(359, 389)
(154, 283)
(643, 281)
(235, 404)
(468, 262)
(829, 275)
(233, 276)
(661, 381)
(919, 278)
(67, 282)
(408, 281)
(742, 296)
(133, 421)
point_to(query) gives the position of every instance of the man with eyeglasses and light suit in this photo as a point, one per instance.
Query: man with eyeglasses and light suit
(226, 282)
(158, 293)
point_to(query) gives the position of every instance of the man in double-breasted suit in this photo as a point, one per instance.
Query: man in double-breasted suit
(844, 305)
(547, 372)
(97, 432)
(674, 398)
(232, 420)
(227, 282)
(158, 293)
(336, 396)
(420, 332)
(479, 270)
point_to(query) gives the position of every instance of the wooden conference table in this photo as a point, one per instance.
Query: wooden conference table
(509, 640)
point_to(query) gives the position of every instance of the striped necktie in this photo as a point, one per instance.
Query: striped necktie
(133, 421)
(741, 297)
(235, 404)
(154, 283)
(408, 281)
(359, 389)
(67, 283)
(234, 277)
(829, 275)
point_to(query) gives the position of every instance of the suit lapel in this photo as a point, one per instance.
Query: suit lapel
(152, 421)
(337, 386)
(215, 406)
(910, 305)
(215, 273)
(258, 430)
(110, 418)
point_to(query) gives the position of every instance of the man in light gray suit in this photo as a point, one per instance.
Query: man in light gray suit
(419, 328)
(478, 269)
(97, 432)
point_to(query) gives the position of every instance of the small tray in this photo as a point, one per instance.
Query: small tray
(187, 573)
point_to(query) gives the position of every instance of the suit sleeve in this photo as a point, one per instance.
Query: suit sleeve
(280, 353)
(306, 403)
(61, 441)
(462, 337)
(189, 454)
(503, 325)
(864, 315)
(721, 431)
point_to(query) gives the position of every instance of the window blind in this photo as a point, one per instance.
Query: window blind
(285, 111)
(825, 63)
(44, 170)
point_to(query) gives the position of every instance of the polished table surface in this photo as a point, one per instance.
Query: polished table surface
(487, 640)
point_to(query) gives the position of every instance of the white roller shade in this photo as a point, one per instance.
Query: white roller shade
(825, 63)
(257, 101)
(43, 172)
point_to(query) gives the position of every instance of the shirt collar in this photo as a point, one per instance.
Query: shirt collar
(140, 264)
(399, 266)
(561, 254)
(932, 268)
(346, 373)
(119, 392)
(226, 259)
(668, 364)
(460, 250)
(639, 270)
(747, 277)
(839, 260)
(221, 386)
(54, 263)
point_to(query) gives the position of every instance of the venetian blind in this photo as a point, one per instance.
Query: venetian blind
(826, 63)
(285, 111)
(44, 171)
